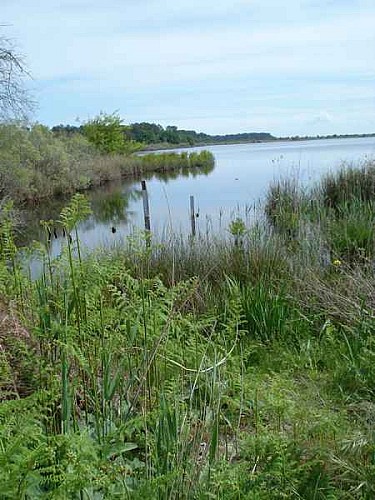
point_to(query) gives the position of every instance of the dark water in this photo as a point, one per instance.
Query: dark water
(239, 180)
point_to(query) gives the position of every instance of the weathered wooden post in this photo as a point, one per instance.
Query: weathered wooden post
(192, 215)
(146, 207)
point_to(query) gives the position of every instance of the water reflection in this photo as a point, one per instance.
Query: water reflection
(241, 177)
(180, 173)
(31, 229)
(111, 206)
(116, 207)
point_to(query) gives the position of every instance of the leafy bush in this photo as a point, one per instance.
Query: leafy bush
(106, 132)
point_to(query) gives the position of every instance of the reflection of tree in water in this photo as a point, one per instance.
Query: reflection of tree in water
(114, 207)
(110, 204)
(31, 228)
(181, 172)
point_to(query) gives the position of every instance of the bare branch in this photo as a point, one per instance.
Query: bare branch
(15, 101)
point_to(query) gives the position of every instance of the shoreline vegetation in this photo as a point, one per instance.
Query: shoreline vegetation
(238, 367)
(168, 146)
(154, 137)
(37, 165)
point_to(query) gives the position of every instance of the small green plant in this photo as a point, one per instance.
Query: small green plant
(237, 229)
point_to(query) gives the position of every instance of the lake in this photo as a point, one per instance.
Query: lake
(236, 185)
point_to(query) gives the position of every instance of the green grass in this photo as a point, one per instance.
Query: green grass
(240, 367)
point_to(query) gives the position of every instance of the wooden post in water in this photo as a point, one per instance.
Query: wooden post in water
(192, 215)
(146, 207)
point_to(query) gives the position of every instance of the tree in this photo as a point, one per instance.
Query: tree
(171, 135)
(15, 100)
(107, 133)
(149, 133)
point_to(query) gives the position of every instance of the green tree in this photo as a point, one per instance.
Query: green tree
(149, 133)
(171, 135)
(107, 133)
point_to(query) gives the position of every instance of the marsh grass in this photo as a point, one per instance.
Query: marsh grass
(349, 184)
(239, 367)
(339, 211)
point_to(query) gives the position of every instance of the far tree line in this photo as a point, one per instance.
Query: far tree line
(152, 133)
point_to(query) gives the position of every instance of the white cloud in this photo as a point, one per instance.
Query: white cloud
(322, 117)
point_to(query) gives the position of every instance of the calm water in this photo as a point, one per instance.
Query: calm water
(239, 181)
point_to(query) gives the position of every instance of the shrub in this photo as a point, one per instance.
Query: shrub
(107, 133)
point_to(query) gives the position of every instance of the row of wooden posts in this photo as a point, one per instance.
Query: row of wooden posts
(146, 210)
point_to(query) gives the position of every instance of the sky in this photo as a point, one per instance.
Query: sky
(296, 67)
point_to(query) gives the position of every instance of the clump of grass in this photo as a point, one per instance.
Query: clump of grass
(285, 205)
(349, 184)
(339, 211)
(351, 231)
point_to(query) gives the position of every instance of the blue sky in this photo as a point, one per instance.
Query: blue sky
(218, 66)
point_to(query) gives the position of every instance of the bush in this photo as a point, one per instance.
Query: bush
(34, 164)
(107, 133)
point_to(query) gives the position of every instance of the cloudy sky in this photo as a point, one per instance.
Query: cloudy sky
(218, 66)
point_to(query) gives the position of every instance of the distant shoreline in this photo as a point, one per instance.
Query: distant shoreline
(168, 146)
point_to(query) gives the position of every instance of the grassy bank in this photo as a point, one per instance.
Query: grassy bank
(214, 368)
(36, 164)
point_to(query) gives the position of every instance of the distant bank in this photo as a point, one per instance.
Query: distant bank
(154, 137)
(167, 146)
